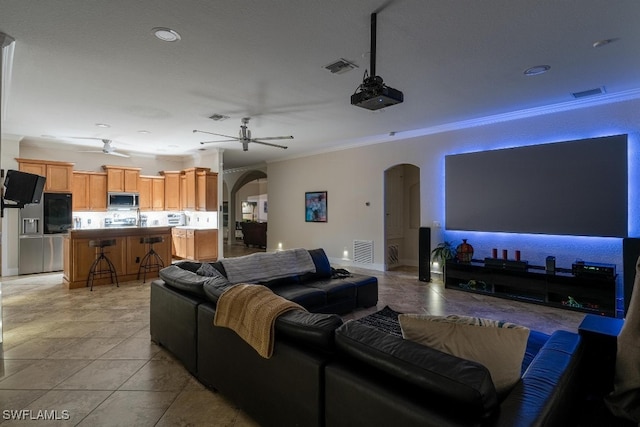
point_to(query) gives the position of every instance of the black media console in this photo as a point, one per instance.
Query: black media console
(590, 294)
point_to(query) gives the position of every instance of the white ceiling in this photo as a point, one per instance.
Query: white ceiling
(78, 63)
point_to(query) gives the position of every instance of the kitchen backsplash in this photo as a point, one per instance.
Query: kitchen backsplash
(91, 220)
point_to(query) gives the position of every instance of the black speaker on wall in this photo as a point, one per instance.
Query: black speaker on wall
(630, 254)
(424, 254)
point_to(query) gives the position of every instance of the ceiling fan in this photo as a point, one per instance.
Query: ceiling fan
(245, 137)
(107, 148)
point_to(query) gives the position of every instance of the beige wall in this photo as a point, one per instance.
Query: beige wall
(355, 176)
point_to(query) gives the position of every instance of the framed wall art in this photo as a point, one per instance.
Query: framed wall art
(315, 204)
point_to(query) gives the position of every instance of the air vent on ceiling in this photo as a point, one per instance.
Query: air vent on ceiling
(590, 92)
(218, 117)
(340, 66)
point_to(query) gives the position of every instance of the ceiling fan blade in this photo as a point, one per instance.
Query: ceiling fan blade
(216, 134)
(271, 138)
(213, 142)
(115, 153)
(269, 144)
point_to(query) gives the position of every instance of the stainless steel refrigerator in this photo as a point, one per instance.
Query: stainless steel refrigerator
(42, 230)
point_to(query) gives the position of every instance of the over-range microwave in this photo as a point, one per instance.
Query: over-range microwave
(117, 201)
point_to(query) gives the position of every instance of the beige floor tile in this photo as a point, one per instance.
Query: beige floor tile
(132, 348)
(16, 400)
(38, 348)
(117, 329)
(158, 375)
(101, 375)
(10, 367)
(44, 374)
(86, 348)
(130, 408)
(200, 408)
(68, 407)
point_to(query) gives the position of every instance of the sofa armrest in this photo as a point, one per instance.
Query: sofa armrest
(545, 394)
(313, 330)
(435, 373)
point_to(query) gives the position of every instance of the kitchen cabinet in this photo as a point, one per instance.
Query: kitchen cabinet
(59, 174)
(195, 244)
(201, 188)
(89, 191)
(126, 254)
(136, 250)
(179, 236)
(81, 256)
(152, 193)
(122, 179)
(171, 190)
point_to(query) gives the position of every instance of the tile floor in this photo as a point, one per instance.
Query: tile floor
(86, 357)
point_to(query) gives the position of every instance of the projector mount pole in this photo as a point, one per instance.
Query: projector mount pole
(372, 57)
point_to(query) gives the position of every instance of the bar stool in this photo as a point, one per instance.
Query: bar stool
(102, 264)
(151, 261)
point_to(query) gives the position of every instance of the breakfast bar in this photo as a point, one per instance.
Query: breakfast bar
(126, 253)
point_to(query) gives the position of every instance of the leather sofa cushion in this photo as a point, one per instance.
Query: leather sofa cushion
(312, 329)
(306, 296)
(434, 372)
(186, 280)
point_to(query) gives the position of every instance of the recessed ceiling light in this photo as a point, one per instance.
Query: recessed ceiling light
(537, 70)
(144, 132)
(166, 34)
(173, 146)
(103, 125)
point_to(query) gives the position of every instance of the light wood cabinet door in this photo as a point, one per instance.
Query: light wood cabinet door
(190, 241)
(207, 191)
(84, 256)
(59, 178)
(35, 168)
(98, 191)
(171, 190)
(206, 245)
(89, 191)
(80, 192)
(179, 237)
(122, 179)
(146, 195)
(190, 181)
(157, 193)
(59, 175)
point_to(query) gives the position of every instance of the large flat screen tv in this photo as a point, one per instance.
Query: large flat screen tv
(22, 187)
(564, 188)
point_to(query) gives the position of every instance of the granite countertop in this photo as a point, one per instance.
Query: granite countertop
(195, 227)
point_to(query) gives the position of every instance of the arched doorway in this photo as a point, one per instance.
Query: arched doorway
(402, 216)
(250, 187)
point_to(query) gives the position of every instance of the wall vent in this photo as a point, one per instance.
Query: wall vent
(590, 92)
(363, 251)
(340, 66)
(393, 255)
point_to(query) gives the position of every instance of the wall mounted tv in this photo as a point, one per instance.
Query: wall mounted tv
(564, 188)
(22, 187)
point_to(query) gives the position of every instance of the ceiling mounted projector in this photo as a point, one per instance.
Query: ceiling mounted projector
(373, 94)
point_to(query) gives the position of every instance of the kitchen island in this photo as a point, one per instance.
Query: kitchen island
(195, 243)
(126, 254)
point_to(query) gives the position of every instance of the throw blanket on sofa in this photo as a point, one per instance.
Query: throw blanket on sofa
(251, 311)
(268, 266)
(624, 401)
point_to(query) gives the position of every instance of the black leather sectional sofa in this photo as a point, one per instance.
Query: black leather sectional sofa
(328, 372)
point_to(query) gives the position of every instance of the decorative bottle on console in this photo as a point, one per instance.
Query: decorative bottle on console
(464, 251)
